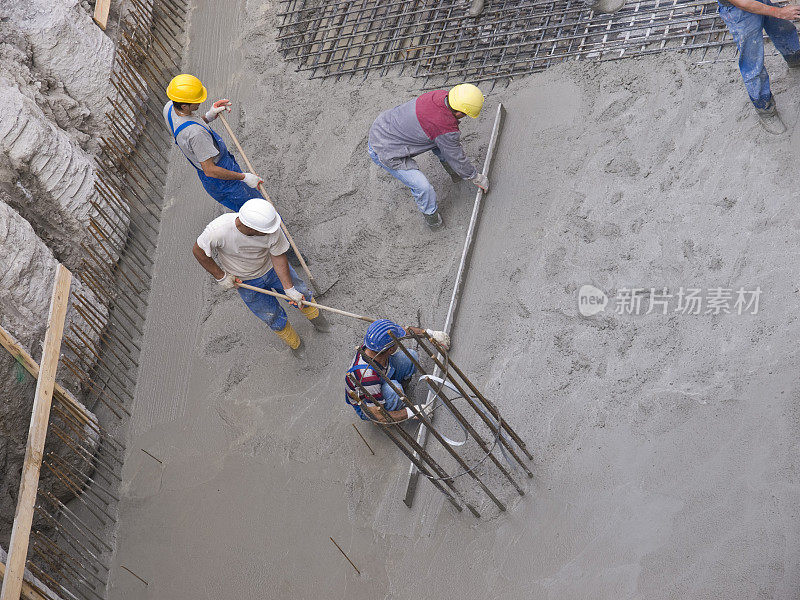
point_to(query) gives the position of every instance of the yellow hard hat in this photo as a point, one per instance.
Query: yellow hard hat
(186, 88)
(466, 98)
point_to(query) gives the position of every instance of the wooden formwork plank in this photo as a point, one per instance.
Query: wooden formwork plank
(101, 8)
(76, 408)
(37, 433)
(28, 591)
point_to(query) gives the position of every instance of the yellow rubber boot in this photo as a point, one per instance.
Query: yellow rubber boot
(316, 318)
(310, 312)
(289, 335)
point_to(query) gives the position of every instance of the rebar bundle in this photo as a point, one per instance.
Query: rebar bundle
(437, 41)
(68, 556)
(479, 419)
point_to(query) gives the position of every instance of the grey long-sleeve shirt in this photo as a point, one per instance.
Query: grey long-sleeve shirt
(425, 123)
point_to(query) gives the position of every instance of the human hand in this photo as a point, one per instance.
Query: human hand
(297, 297)
(228, 282)
(790, 12)
(440, 337)
(218, 107)
(252, 180)
(482, 181)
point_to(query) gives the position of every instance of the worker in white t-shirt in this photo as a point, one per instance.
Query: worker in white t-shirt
(251, 248)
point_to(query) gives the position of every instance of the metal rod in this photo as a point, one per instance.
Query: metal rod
(345, 555)
(363, 439)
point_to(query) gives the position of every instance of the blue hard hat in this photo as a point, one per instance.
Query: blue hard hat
(378, 338)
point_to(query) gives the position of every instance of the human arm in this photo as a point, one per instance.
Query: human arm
(790, 12)
(451, 151)
(208, 263)
(213, 170)
(281, 265)
(379, 415)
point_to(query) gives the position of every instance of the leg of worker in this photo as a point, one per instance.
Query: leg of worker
(270, 311)
(784, 37)
(311, 313)
(747, 30)
(421, 189)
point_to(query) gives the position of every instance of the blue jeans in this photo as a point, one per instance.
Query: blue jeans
(266, 307)
(421, 188)
(399, 369)
(747, 29)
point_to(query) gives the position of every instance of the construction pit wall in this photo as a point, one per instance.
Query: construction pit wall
(78, 186)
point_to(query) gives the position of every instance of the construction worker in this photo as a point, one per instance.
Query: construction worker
(747, 20)
(251, 249)
(218, 170)
(381, 348)
(429, 122)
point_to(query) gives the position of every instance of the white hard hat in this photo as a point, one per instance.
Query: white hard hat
(260, 215)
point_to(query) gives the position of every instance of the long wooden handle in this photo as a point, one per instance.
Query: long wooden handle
(305, 303)
(263, 190)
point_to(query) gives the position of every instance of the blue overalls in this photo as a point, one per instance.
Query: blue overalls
(230, 193)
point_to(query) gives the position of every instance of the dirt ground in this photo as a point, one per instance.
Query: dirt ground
(665, 444)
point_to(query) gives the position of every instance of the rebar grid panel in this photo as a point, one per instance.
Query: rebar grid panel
(490, 449)
(437, 41)
(68, 556)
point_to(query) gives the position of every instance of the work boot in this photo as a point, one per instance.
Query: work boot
(607, 7)
(434, 220)
(476, 8)
(792, 60)
(770, 120)
(300, 351)
(455, 177)
(320, 323)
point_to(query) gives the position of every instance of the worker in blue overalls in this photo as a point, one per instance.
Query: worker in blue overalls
(219, 172)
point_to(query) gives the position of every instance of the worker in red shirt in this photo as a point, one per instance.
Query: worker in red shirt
(429, 122)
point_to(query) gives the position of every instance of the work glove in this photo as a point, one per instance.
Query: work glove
(228, 282)
(482, 181)
(439, 336)
(297, 297)
(216, 108)
(252, 180)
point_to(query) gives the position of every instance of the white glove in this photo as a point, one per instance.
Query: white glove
(228, 282)
(296, 296)
(440, 337)
(218, 107)
(482, 181)
(252, 180)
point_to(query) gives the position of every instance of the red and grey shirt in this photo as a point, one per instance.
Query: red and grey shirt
(425, 123)
(369, 379)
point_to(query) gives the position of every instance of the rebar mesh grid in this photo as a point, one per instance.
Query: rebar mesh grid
(437, 41)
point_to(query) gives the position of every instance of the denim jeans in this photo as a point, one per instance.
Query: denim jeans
(398, 370)
(421, 188)
(266, 307)
(747, 29)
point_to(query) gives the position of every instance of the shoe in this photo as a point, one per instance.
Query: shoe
(607, 7)
(770, 120)
(455, 177)
(434, 220)
(793, 60)
(476, 8)
(321, 324)
(300, 351)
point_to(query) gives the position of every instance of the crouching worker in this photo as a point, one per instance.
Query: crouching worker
(251, 249)
(374, 389)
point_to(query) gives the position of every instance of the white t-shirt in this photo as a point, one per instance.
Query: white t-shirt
(243, 256)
